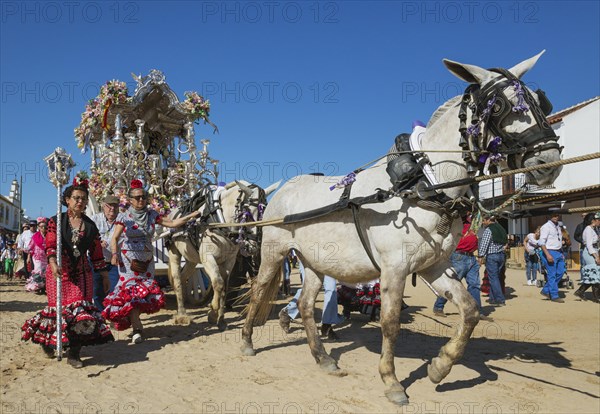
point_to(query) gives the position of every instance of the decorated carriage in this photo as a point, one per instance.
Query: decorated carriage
(150, 136)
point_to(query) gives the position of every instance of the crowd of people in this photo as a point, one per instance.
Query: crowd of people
(549, 247)
(545, 249)
(107, 269)
(23, 255)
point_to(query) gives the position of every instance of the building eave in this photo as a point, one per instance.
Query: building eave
(558, 116)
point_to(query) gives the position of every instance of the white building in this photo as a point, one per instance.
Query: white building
(9, 209)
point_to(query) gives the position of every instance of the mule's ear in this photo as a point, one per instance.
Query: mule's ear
(469, 73)
(521, 68)
(272, 187)
(230, 185)
(244, 188)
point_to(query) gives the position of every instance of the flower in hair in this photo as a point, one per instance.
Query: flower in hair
(81, 179)
(137, 184)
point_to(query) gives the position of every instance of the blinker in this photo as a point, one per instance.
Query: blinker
(545, 104)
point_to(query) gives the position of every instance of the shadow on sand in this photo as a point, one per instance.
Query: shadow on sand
(423, 341)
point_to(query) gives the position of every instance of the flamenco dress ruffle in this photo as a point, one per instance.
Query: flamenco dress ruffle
(141, 292)
(590, 274)
(82, 325)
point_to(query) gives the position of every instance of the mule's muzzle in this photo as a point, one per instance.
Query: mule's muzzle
(543, 176)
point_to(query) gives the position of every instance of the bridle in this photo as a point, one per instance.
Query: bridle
(248, 240)
(243, 214)
(490, 106)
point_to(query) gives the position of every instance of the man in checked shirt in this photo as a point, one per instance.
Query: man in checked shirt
(491, 253)
(552, 257)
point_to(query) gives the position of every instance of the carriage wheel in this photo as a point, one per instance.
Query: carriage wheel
(205, 291)
(204, 295)
(207, 297)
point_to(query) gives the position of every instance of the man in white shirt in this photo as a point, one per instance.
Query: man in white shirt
(23, 246)
(552, 257)
(105, 221)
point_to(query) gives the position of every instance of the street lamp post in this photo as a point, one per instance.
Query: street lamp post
(59, 164)
(20, 228)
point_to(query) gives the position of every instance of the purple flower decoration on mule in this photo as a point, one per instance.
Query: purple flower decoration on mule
(344, 182)
(261, 211)
(521, 105)
(493, 153)
(474, 129)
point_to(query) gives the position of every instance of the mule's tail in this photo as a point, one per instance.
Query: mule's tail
(265, 294)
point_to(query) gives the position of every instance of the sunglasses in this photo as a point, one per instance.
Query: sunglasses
(138, 198)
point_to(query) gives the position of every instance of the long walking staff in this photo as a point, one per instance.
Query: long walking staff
(59, 168)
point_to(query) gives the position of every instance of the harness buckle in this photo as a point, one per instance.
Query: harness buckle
(408, 193)
(423, 191)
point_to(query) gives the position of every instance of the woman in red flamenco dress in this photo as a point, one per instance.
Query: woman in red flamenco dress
(136, 291)
(82, 323)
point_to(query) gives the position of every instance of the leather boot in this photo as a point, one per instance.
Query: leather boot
(73, 358)
(580, 293)
(327, 330)
(596, 292)
(48, 350)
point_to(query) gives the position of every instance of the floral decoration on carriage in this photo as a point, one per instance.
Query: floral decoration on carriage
(147, 136)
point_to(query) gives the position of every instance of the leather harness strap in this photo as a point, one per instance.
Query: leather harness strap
(356, 218)
(361, 235)
(365, 243)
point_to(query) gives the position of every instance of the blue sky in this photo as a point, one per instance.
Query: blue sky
(295, 87)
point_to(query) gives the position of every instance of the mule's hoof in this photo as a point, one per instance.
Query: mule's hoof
(247, 350)
(221, 326)
(182, 320)
(396, 395)
(212, 317)
(329, 366)
(434, 373)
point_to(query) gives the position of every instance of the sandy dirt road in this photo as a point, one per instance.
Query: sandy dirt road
(534, 356)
